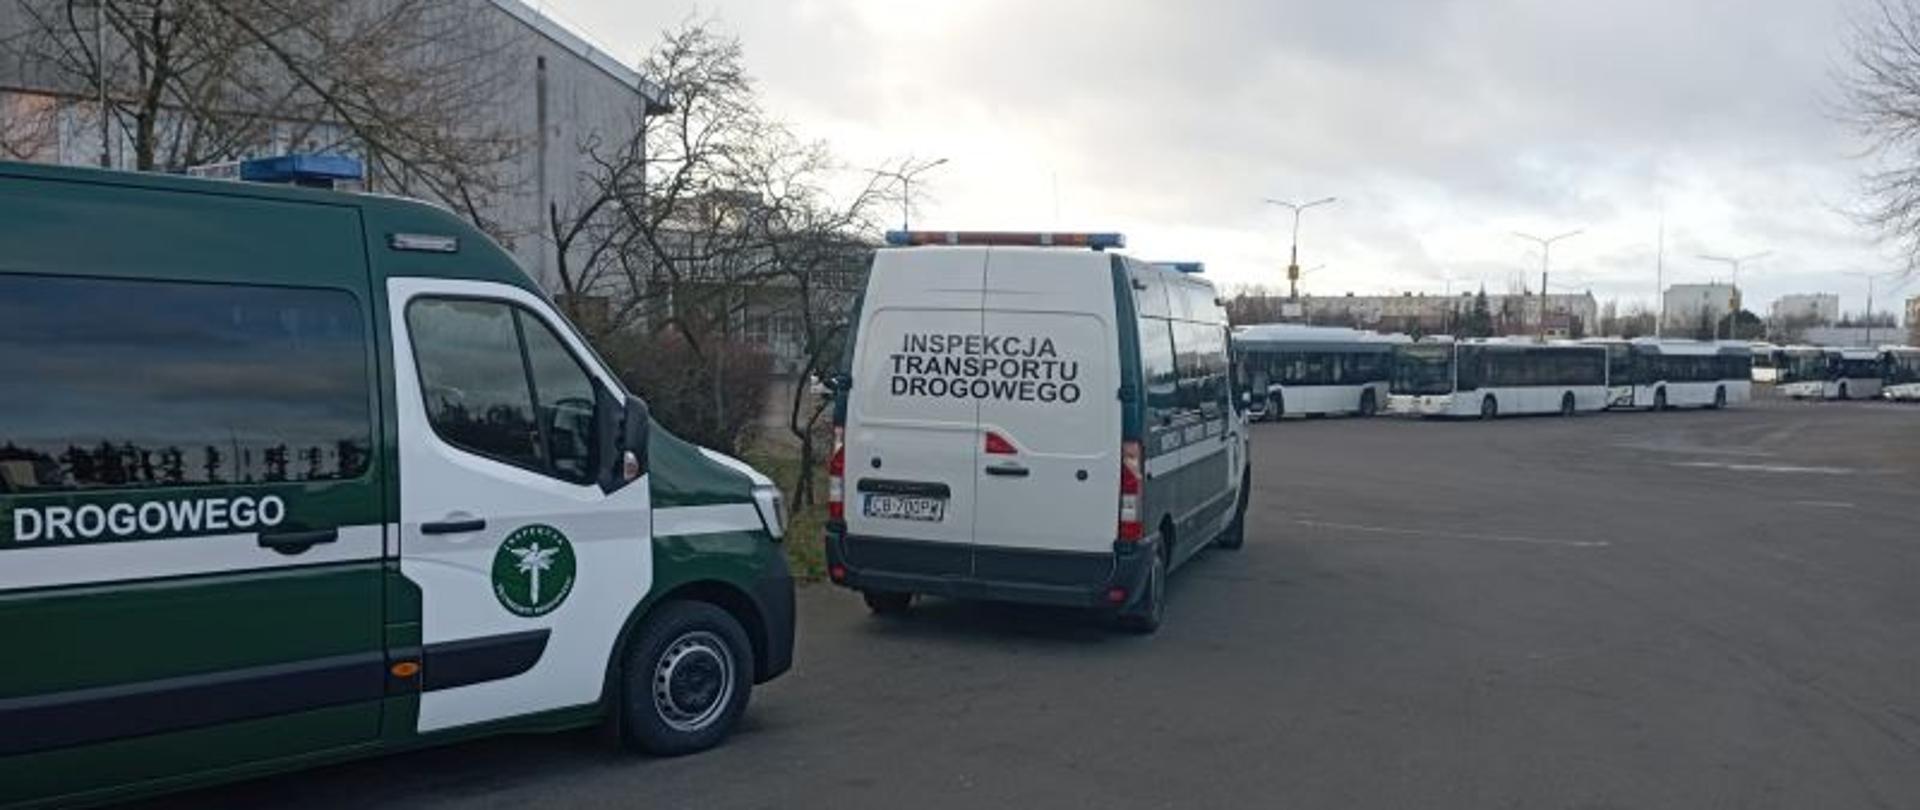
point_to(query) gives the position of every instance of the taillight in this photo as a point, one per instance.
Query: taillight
(997, 445)
(1131, 476)
(837, 477)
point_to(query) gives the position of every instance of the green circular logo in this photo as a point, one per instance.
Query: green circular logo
(533, 571)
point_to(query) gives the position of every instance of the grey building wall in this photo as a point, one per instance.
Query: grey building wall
(555, 92)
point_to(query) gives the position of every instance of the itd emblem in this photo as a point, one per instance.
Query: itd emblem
(533, 571)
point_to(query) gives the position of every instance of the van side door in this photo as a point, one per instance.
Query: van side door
(527, 567)
(191, 524)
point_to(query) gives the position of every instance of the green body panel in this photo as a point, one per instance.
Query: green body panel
(143, 765)
(74, 638)
(683, 475)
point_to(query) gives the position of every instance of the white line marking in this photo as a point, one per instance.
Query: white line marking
(1770, 468)
(1825, 504)
(1491, 538)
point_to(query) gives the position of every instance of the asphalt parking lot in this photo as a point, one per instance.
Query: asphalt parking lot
(1686, 610)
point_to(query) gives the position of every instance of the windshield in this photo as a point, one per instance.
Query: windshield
(1424, 370)
(1803, 367)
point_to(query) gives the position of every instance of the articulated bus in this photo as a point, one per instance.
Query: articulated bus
(1314, 370)
(1497, 378)
(1815, 372)
(1666, 374)
(1900, 373)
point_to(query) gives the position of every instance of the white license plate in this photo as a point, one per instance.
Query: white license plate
(905, 507)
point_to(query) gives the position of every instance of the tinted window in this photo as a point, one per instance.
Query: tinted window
(563, 395)
(473, 379)
(1156, 366)
(118, 383)
(1153, 299)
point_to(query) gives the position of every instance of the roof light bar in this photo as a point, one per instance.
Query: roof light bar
(313, 171)
(1096, 241)
(1194, 268)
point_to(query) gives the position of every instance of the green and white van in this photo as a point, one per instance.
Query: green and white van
(289, 476)
(1033, 418)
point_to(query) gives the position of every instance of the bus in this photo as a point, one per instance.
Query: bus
(1900, 373)
(1819, 372)
(1314, 370)
(1662, 374)
(1489, 378)
(1766, 363)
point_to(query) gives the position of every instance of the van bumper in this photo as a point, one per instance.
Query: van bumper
(989, 573)
(774, 595)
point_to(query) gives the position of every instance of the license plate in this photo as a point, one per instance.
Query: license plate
(905, 507)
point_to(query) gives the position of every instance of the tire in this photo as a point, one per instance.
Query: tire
(685, 680)
(887, 603)
(1235, 535)
(1660, 400)
(1276, 407)
(1719, 398)
(1368, 405)
(1144, 619)
(1567, 405)
(1489, 407)
(1844, 393)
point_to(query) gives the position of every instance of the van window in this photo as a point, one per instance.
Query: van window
(498, 383)
(1153, 299)
(1157, 368)
(130, 383)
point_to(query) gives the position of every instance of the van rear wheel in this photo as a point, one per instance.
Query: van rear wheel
(685, 680)
(887, 603)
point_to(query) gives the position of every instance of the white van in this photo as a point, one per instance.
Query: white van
(1030, 418)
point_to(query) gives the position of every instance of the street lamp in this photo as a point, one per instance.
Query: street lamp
(1871, 277)
(905, 175)
(1733, 262)
(1293, 254)
(1546, 251)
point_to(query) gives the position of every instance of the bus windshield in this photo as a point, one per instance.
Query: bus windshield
(1422, 370)
(1803, 367)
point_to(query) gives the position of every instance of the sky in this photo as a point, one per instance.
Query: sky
(1442, 126)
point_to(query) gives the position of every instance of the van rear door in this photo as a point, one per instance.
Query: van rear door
(1050, 343)
(912, 421)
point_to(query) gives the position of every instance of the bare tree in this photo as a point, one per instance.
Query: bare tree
(709, 212)
(1880, 95)
(189, 82)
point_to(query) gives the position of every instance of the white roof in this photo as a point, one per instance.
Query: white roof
(1298, 333)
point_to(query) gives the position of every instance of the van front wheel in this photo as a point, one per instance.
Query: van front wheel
(685, 680)
(1235, 535)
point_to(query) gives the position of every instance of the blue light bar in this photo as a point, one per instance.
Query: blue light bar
(1194, 268)
(313, 171)
(1096, 241)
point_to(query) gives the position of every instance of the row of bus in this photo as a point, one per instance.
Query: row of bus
(1293, 369)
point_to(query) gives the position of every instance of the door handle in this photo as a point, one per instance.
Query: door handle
(453, 526)
(291, 543)
(1009, 471)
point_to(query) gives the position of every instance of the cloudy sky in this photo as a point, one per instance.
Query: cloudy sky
(1441, 125)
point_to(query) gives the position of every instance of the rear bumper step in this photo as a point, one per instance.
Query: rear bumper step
(994, 573)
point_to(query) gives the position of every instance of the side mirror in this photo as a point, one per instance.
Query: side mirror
(624, 427)
(635, 433)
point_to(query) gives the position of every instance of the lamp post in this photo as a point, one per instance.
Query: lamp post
(905, 175)
(1871, 277)
(1733, 303)
(1293, 254)
(1546, 252)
